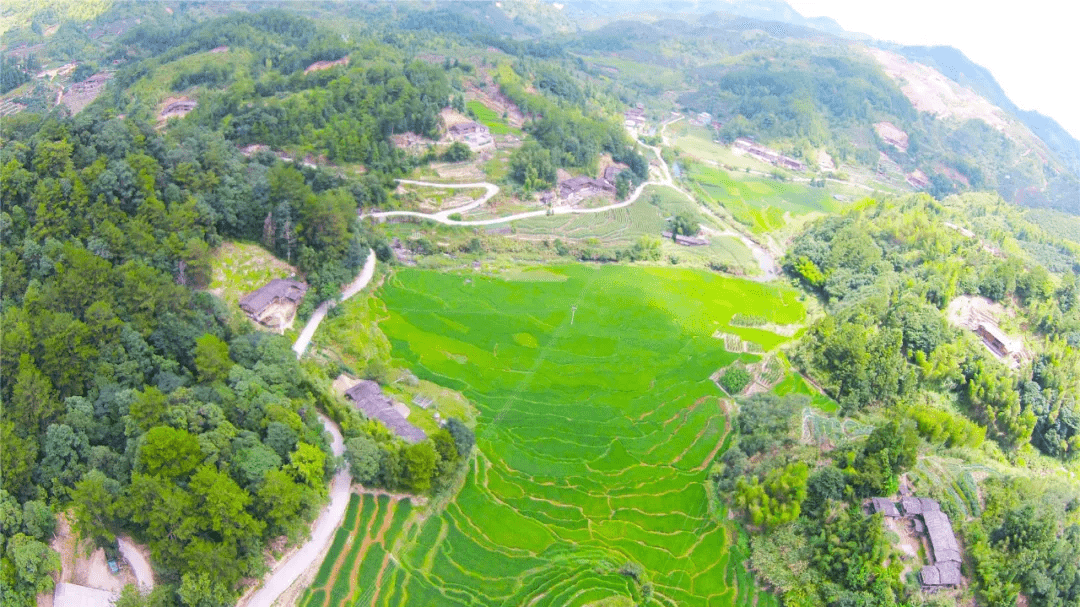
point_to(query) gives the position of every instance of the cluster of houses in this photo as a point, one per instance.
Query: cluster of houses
(472, 133)
(764, 154)
(927, 519)
(577, 189)
(275, 304)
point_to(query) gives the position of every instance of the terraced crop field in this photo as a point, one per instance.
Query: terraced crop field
(765, 205)
(597, 425)
(359, 553)
(491, 119)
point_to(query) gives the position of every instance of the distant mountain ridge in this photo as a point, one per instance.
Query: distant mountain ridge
(953, 64)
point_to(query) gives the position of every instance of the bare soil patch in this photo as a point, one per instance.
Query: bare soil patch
(81, 566)
(970, 312)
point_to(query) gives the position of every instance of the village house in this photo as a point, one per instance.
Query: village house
(274, 305)
(686, 241)
(178, 109)
(996, 340)
(927, 518)
(917, 179)
(634, 117)
(755, 150)
(369, 399)
(580, 188)
(473, 133)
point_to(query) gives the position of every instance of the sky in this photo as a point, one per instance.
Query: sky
(1032, 47)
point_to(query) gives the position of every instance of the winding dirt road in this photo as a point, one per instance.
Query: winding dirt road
(361, 281)
(289, 570)
(443, 217)
(765, 258)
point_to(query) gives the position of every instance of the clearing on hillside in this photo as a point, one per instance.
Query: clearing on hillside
(594, 439)
(241, 267)
(983, 317)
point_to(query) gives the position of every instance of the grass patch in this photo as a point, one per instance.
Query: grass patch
(239, 268)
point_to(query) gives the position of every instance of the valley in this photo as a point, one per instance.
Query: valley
(520, 303)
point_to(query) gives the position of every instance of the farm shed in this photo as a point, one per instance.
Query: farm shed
(996, 339)
(275, 303)
(374, 404)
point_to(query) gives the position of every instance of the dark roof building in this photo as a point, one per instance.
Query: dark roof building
(918, 505)
(941, 574)
(467, 128)
(885, 506)
(942, 539)
(585, 186)
(257, 304)
(374, 404)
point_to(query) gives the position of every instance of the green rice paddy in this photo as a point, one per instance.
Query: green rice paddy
(597, 425)
(765, 205)
(491, 119)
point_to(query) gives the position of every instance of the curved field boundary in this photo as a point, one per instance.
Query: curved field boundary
(594, 441)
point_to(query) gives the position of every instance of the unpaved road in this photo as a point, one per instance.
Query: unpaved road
(287, 571)
(443, 217)
(361, 281)
(144, 573)
(765, 258)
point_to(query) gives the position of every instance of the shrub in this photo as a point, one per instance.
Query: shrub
(735, 379)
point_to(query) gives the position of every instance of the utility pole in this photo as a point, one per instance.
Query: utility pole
(573, 310)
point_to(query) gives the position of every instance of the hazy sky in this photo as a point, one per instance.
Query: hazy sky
(1032, 47)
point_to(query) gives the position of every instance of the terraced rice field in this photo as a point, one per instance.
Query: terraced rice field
(359, 553)
(597, 425)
